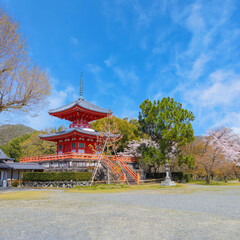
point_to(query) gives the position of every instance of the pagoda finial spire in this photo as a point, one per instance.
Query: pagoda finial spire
(81, 87)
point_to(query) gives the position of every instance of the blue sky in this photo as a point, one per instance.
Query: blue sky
(132, 50)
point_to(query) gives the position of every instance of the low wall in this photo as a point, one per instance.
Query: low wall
(60, 184)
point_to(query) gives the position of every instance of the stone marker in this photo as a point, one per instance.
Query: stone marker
(167, 181)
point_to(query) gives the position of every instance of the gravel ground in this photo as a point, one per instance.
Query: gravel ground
(190, 213)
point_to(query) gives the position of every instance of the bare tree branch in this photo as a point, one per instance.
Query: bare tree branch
(23, 85)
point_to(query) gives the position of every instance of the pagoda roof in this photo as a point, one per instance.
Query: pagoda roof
(81, 102)
(72, 130)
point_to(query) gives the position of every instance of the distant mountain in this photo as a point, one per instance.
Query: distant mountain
(8, 132)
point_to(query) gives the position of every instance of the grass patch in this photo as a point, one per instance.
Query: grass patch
(24, 195)
(113, 188)
(153, 188)
(216, 183)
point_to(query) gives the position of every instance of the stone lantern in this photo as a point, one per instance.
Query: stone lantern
(168, 181)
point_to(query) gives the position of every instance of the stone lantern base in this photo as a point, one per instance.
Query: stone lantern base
(168, 182)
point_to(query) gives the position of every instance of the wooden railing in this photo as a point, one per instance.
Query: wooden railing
(130, 171)
(114, 166)
(71, 155)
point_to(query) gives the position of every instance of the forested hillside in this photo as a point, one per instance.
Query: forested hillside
(25, 141)
(28, 145)
(9, 132)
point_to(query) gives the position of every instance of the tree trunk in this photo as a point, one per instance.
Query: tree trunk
(207, 179)
(225, 179)
(144, 174)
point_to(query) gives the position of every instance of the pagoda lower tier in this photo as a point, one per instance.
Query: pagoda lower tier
(123, 168)
(75, 140)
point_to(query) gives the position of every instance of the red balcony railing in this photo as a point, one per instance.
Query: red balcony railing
(83, 156)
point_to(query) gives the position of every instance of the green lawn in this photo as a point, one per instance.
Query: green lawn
(24, 195)
(217, 183)
(119, 188)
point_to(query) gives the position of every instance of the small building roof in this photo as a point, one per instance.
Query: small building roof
(3, 156)
(21, 166)
(81, 102)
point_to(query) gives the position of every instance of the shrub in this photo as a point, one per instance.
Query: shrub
(15, 184)
(187, 177)
(57, 176)
(176, 176)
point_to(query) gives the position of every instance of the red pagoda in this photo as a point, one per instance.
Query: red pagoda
(76, 146)
(80, 138)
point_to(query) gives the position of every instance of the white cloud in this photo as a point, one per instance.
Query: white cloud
(195, 21)
(198, 67)
(95, 69)
(110, 61)
(126, 76)
(231, 119)
(147, 13)
(104, 86)
(236, 130)
(126, 106)
(223, 89)
(74, 40)
(158, 96)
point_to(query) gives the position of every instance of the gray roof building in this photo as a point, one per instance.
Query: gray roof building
(9, 163)
(21, 166)
(3, 156)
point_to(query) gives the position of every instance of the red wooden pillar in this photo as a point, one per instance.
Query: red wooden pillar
(138, 178)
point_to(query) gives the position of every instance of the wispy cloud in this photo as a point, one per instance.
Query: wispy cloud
(74, 40)
(198, 67)
(126, 76)
(110, 61)
(204, 69)
(222, 90)
(104, 86)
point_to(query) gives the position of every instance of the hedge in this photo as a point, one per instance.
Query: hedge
(15, 184)
(57, 176)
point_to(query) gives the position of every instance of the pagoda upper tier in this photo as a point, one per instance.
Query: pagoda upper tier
(80, 113)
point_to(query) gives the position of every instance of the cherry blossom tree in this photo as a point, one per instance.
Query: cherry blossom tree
(226, 142)
(217, 153)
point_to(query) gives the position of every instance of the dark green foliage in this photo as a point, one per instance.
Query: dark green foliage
(155, 175)
(127, 128)
(187, 177)
(188, 160)
(150, 156)
(176, 176)
(57, 176)
(169, 125)
(15, 184)
(9, 132)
